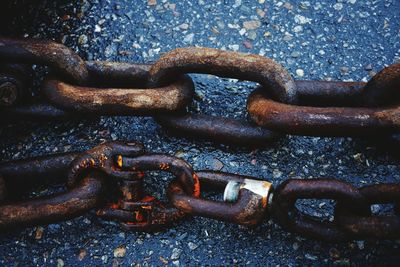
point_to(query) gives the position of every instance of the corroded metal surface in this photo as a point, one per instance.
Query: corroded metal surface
(119, 101)
(249, 209)
(383, 88)
(14, 83)
(330, 93)
(271, 75)
(123, 74)
(290, 218)
(104, 88)
(366, 225)
(222, 130)
(318, 108)
(37, 111)
(178, 167)
(105, 158)
(85, 196)
(110, 177)
(62, 59)
(321, 121)
(26, 169)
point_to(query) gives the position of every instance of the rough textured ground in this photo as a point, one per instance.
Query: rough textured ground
(343, 40)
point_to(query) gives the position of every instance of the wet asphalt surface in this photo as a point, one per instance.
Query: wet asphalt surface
(343, 40)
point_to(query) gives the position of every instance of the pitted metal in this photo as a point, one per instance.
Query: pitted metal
(109, 177)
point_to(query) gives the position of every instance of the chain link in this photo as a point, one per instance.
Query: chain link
(92, 177)
(318, 108)
(110, 177)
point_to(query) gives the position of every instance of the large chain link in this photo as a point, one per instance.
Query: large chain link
(281, 104)
(75, 87)
(92, 177)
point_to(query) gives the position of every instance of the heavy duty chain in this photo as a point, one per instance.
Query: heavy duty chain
(92, 177)
(110, 177)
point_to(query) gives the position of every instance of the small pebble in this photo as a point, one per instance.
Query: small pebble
(184, 26)
(83, 39)
(119, 252)
(60, 263)
(247, 44)
(338, 6)
(300, 72)
(298, 29)
(39, 233)
(251, 24)
(295, 54)
(176, 253)
(192, 245)
(368, 67)
(82, 254)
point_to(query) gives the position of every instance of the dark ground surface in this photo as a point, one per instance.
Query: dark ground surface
(343, 40)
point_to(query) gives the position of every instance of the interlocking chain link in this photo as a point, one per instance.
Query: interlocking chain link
(110, 177)
(281, 104)
(93, 175)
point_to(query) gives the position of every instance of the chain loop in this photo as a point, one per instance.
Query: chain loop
(224, 64)
(322, 121)
(334, 121)
(247, 200)
(383, 88)
(18, 175)
(106, 158)
(14, 84)
(219, 129)
(83, 197)
(248, 209)
(271, 75)
(119, 101)
(335, 108)
(62, 59)
(289, 217)
(367, 225)
(338, 108)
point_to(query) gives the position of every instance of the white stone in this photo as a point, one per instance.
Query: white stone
(300, 72)
(298, 29)
(189, 38)
(299, 19)
(338, 6)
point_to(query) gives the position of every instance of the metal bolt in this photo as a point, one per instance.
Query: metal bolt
(8, 93)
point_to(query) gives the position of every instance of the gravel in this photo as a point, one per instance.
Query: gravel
(342, 40)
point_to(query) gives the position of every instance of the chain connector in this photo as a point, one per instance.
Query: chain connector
(137, 210)
(260, 188)
(246, 199)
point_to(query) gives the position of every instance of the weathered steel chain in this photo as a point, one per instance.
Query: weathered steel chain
(343, 109)
(319, 108)
(92, 177)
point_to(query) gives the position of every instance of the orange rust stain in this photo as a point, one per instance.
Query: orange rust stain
(140, 174)
(114, 206)
(137, 223)
(102, 159)
(264, 202)
(119, 161)
(196, 189)
(138, 216)
(148, 199)
(164, 166)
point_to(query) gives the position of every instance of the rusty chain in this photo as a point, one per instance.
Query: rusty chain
(110, 177)
(320, 108)
(92, 176)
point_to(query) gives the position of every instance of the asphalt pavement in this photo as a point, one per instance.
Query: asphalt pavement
(347, 40)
